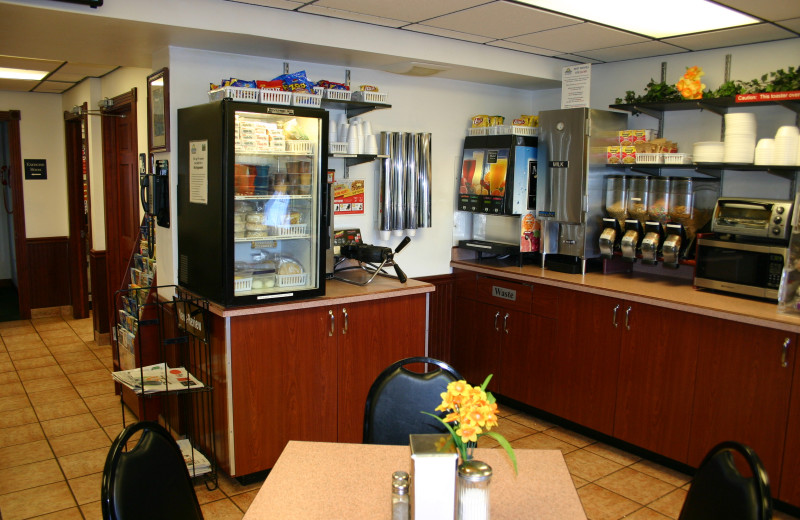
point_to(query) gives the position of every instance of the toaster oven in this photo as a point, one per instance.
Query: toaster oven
(757, 218)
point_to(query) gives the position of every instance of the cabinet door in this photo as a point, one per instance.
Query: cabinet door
(372, 336)
(476, 341)
(657, 366)
(283, 371)
(742, 391)
(525, 374)
(586, 359)
(790, 479)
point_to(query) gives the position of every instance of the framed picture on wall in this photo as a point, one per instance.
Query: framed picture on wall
(158, 111)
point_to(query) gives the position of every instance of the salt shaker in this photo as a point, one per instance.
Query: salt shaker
(473, 490)
(400, 502)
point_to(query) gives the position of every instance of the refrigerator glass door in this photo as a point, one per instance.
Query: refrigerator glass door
(275, 210)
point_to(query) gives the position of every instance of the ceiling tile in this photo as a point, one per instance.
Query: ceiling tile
(581, 37)
(522, 48)
(793, 24)
(407, 10)
(17, 85)
(75, 72)
(576, 58)
(349, 15)
(55, 87)
(447, 33)
(12, 62)
(729, 37)
(501, 20)
(633, 51)
(771, 10)
(280, 4)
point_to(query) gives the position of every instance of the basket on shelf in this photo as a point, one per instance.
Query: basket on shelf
(369, 97)
(524, 130)
(235, 93)
(289, 280)
(288, 230)
(481, 130)
(299, 147)
(242, 284)
(649, 158)
(337, 94)
(304, 99)
(338, 147)
(276, 97)
(677, 158)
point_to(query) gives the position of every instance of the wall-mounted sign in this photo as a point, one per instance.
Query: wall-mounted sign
(575, 85)
(35, 169)
(348, 197)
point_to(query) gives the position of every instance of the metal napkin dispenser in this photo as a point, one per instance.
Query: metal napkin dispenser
(761, 218)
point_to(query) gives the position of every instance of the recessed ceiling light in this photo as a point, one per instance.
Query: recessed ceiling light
(650, 17)
(7, 73)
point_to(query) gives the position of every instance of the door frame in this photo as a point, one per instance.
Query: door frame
(13, 117)
(122, 103)
(78, 264)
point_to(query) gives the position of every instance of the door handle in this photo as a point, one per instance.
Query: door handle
(344, 330)
(333, 323)
(614, 316)
(497, 315)
(628, 319)
(505, 323)
(784, 352)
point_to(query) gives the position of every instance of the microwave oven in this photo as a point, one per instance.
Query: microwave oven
(746, 268)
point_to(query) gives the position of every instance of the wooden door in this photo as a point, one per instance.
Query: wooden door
(283, 370)
(586, 358)
(528, 340)
(78, 203)
(372, 335)
(476, 349)
(657, 366)
(742, 391)
(790, 477)
(121, 179)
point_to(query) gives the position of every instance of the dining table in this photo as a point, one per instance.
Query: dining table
(326, 480)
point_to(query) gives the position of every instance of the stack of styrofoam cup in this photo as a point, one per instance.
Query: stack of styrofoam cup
(787, 141)
(764, 151)
(740, 138)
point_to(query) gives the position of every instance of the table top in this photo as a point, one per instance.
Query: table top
(319, 480)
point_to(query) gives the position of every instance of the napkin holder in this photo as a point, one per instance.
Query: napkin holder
(433, 477)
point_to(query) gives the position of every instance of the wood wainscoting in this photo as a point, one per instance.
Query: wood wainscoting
(48, 272)
(99, 285)
(440, 316)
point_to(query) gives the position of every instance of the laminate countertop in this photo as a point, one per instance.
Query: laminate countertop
(661, 291)
(336, 293)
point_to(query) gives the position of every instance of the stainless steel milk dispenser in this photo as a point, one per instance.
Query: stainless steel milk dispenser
(572, 163)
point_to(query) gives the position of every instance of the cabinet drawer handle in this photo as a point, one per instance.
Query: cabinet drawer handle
(614, 316)
(497, 315)
(505, 323)
(628, 319)
(784, 351)
(333, 324)
(344, 330)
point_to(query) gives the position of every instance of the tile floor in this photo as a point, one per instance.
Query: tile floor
(59, 415)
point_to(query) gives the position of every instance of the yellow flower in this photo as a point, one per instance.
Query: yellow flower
(468, 433)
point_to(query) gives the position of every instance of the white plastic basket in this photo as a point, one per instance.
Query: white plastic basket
(677, 158)
(242, 284)
(319, 91)
(338, 95)
(481, 130)
(289, 280)
(524, 130)
(275, 97)
(369, 97)
(649, 158)
(300, 147)
(304, 99)
(338, 147)
(235, 93)
(288, 230)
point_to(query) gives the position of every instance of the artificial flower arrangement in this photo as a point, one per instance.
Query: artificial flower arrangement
(473, 413)
(690, 85)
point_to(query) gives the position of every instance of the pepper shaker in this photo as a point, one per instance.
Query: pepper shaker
(400, 501)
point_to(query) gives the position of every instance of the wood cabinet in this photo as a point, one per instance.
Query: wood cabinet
(655, 389)
(789, 490)
(304, 374)
(742, 391)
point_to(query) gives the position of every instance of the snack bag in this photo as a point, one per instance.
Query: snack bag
(613, 155)
(244, 83)
(496, 120)
(480, 121)
(296, 82)
(331, 85)
(368, 88)
(270, 85)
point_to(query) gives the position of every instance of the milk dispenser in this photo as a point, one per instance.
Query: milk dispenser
(572, 163)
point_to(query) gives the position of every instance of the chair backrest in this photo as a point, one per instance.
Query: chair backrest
(150, 480)
(398, 397)
(719, 491)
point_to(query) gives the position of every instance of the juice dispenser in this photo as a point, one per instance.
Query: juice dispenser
(637, 216)
(616, 209)
(657, 218)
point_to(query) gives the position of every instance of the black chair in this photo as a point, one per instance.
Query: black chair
(398, 397)
(719, 491)
(149, 480)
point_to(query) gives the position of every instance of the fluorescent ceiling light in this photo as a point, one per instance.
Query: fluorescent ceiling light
(653, 18)
(6, 73)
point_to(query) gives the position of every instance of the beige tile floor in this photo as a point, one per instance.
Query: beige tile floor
(59, 415)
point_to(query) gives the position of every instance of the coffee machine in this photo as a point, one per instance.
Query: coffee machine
(569, 202)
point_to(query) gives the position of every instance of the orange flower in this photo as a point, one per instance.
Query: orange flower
(468, 433)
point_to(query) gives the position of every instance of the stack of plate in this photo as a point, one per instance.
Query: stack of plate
(740, 138)
(786, 146)
(708, 151)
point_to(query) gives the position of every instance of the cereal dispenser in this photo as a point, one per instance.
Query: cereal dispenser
(690, 207)
(637, 216)
(657, 217)
(616, 209)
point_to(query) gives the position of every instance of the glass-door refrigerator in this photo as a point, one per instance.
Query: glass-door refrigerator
(250, 202)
